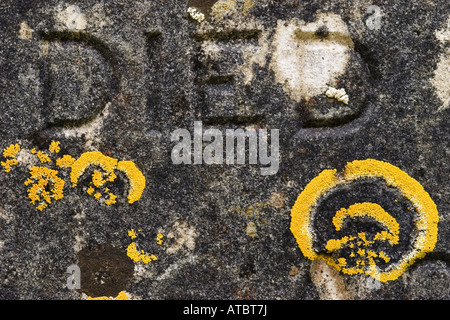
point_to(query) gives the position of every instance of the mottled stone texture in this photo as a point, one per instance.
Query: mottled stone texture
(120, 76)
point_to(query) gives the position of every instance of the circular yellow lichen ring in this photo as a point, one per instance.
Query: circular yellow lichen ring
(426, 222)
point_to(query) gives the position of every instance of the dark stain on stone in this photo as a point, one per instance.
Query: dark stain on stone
(204, 6)
(322, 32)
(105, 271)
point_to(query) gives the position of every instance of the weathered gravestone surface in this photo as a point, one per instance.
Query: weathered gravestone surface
(124, 172)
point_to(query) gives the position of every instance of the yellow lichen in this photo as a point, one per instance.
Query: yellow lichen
(11, 151)
(65, 162)
(159, 239)
(108, 164)
(40, 180)
(426, 222)
(97, 179)
(132, 234)
(342, 262)
(43, 158)
(54, 147)
(121, 296)
(137, 180)
(91, 158)
(137, 256)
(8, 164)
(90, 191)
(371, 210)
(112, 199)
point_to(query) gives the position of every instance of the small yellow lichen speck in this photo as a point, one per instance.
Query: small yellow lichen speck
(132, 234)
(54, 147)
(8, 164)
(159, 239)
(90, 191)
(112, 199)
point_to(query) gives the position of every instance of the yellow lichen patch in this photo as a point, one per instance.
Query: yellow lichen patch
(41, 178)
(342, 262)
(383, 256)
(137, 256)
(8, 164)
(301, 212)
(43, 158)
(11, 151)
(65, 162)
(132, 234)
(424, 237)
(54, 147)
(121, 296)
(97, 179)
(90, 191)
(159, 239)
(137, 180)
(112, 199)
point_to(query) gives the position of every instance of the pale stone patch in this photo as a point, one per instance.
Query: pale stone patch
(441, 78)
(305, 64)
(25, 32)
(71, 17)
